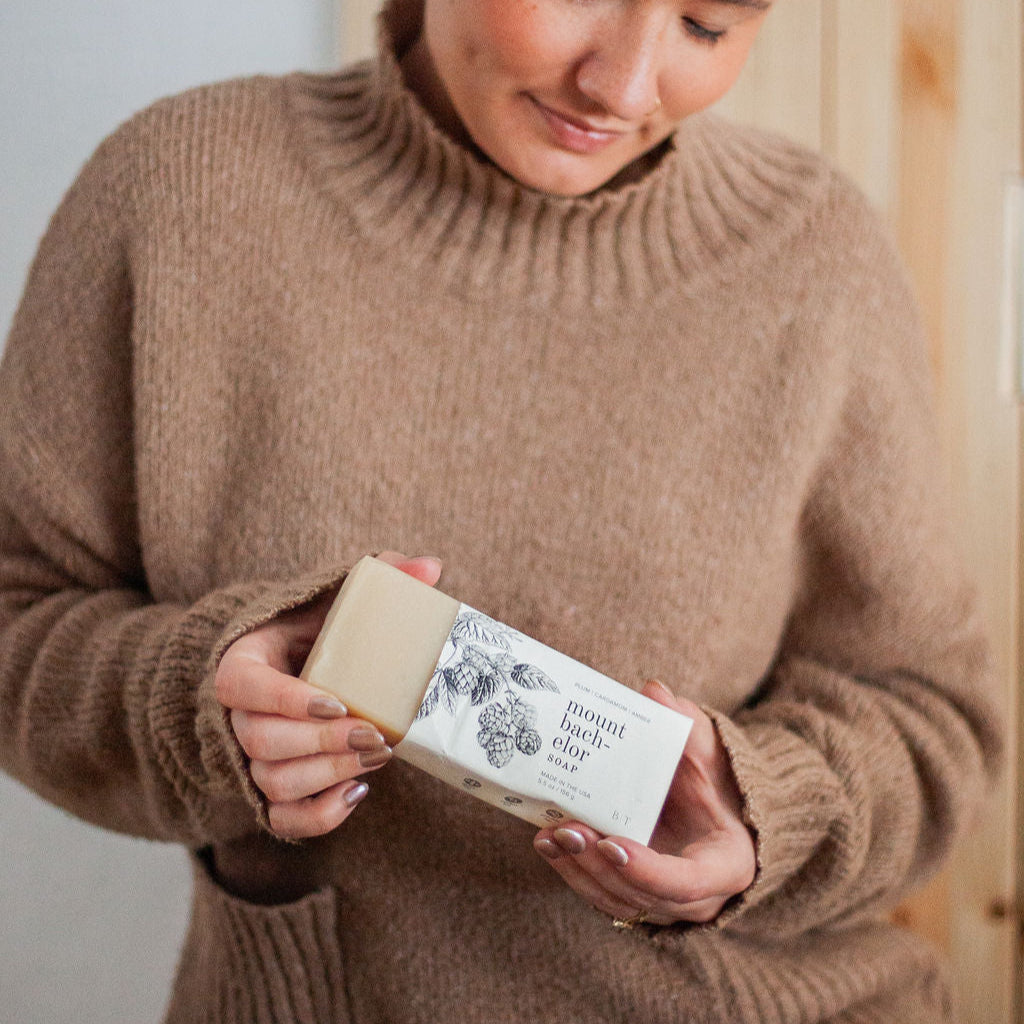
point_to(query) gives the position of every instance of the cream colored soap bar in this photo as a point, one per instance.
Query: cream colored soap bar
(380, 644)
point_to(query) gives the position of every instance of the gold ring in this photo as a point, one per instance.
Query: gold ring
(626, 924)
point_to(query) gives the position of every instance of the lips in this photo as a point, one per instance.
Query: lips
(573, 133)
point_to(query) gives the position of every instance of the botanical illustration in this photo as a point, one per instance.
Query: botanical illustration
(479, 664)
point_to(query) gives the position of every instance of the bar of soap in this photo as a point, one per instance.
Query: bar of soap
(493, 712)
(380, 644)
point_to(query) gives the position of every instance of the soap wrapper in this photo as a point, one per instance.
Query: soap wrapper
(542, 736)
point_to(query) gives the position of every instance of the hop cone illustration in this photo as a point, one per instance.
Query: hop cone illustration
(493, 718)
(500, 749)
(462, 677)
(528, 741)
(524, 716)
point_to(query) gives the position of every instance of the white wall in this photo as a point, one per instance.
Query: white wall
(90, 923)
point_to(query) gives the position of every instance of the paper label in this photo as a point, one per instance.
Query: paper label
(541, 735)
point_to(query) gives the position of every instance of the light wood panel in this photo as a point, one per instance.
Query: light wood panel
(781, 87)
(861, 95)
(984, 441)
(826, 73)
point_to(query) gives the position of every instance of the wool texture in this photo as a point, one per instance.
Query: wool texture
(679, 428)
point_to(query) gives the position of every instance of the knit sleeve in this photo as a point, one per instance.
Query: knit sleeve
(106, 699)
(866, 752)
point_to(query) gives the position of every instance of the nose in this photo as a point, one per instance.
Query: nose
(620, 71)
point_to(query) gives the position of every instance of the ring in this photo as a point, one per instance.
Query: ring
(625, 924)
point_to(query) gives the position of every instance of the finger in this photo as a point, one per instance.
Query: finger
(625, 903)
(599, 858)
(655, 906)
(700, 743)
(249, 685)
(300, 777)
(576, 852)
(425, 568)
(274, 738)
(706, 871)
(661, 694)
(317, 815)
(668, 888)
(283, 642)
(581, 844)
(591, 890)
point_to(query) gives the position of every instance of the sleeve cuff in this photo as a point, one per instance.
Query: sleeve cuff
(211, 627)
(789, 799)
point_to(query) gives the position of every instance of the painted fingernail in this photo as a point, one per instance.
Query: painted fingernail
(356, 793)
(613, 853)
(570, 840)
(375, 758)
(549, 848)
(325, 707)
(365, 739)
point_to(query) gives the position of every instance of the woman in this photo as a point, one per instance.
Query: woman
(650, 385)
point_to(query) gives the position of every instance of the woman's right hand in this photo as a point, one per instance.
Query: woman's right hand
(306, 752)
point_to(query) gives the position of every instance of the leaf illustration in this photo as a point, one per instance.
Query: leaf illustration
(449, 696)
(430, 701)
(479, 628)
(501, 662)
(488, 685)
(480, 658)
(529, 677)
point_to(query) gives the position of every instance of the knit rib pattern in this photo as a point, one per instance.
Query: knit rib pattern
(420, 195)
(267, 965)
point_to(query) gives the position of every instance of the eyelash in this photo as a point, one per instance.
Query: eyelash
(702, 34)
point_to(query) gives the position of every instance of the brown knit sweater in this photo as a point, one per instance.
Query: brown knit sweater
(679, 429)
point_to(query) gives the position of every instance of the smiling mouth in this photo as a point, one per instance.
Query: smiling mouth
(573, 133)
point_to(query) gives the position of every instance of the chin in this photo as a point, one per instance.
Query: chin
(568, 182)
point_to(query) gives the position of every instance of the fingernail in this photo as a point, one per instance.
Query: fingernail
(365, 739)
(548, 848)
(375, 758)
(613, 853)
(661, 686)
(356, 793)
(570, 840)
(325, 707)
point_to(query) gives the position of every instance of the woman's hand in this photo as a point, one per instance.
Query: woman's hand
(701, 853)
(306, 752)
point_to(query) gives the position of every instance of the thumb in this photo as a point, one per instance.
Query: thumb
(661, 694)
(425, 568)
(702, 734)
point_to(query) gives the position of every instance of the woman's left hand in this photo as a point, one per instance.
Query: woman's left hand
(701, 854)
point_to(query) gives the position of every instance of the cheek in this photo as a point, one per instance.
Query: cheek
(520, 38)
(703, 81)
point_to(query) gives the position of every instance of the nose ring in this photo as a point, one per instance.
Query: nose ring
(655, 108)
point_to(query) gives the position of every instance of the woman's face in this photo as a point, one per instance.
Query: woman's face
(565, 94)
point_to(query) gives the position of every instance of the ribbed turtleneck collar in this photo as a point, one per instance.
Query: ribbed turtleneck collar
(718, 195)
